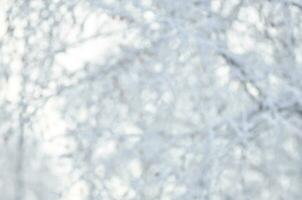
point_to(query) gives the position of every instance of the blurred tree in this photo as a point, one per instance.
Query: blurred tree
(150, 99)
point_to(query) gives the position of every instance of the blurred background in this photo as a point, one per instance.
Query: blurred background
(150, 99)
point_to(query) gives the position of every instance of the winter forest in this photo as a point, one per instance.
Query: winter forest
(150, 99)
